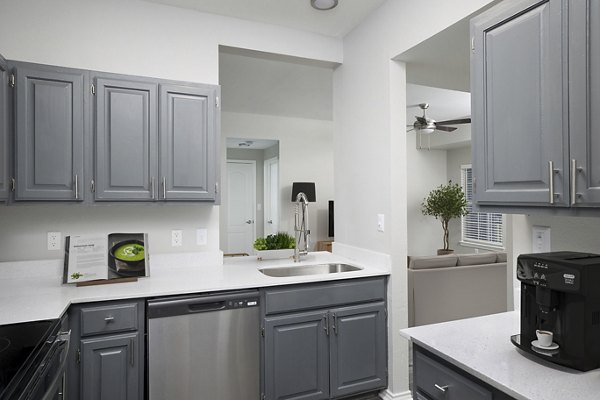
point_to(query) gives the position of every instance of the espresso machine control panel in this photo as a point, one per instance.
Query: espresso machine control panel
(549, 274)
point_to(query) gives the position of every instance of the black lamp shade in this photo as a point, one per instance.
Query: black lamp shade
(308, 188)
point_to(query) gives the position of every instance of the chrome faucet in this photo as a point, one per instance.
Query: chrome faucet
(301, 226)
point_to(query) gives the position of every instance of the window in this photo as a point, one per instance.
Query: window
(479, 229)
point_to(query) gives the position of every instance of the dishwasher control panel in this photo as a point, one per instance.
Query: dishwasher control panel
(242, 303)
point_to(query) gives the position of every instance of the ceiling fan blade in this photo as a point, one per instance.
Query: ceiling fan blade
(445, 128)
(411, 129)
(455, 121)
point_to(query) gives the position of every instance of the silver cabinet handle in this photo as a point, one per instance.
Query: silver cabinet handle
(132, 353)
(110, 318)
(551, 181)
(574, 170)
(76, 187)
(441, 388)
(326, 325)
(152, 188)
(164, 185)
(333, 325)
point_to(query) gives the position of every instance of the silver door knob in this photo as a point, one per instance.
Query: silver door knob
(270, 221)
(249, 221)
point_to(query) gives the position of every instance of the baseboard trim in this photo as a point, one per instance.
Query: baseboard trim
(387, 395)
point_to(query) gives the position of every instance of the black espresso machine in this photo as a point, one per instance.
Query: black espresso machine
(560, 293)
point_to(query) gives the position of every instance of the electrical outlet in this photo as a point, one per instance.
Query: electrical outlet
(54, 240)
(176, 237)
(201, 237)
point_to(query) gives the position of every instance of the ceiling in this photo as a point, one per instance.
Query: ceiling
(296, 14)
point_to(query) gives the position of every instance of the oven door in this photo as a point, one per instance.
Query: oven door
(47, 381)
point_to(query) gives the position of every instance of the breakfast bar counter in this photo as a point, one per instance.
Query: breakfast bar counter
(481, 348)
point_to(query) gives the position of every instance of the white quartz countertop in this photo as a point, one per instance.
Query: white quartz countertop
(31, 291)
(481, 346)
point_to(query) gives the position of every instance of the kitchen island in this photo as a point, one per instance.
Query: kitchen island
(480, 348)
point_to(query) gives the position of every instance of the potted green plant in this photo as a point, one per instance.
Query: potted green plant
(279, 245)
(445, 203)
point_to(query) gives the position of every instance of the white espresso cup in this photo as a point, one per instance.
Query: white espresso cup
(544, 338)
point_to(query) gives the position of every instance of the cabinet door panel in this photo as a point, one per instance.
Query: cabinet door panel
(126, 140)
(518, 106)
(4, 129)
(296, 357)
(188, 142)
(109, 368)
(584, 97)
(358, 349)
(49, 133)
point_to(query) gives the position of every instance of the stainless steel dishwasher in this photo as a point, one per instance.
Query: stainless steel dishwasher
(204, 347)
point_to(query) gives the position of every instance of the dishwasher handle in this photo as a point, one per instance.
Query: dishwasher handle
(183, 305)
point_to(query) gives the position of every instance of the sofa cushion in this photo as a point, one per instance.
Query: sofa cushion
(426, 262)
(500, 257)
(475, 259)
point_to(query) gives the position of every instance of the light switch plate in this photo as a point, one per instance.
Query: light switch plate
(540, 239)
(201, 237)
(176, 237)
(380, 222)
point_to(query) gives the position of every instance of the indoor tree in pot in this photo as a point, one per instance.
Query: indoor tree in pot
(444, 203)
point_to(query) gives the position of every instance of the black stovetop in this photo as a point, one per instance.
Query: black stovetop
(19, 345)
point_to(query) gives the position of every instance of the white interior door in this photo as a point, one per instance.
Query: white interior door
(241, 206)
(271, 196)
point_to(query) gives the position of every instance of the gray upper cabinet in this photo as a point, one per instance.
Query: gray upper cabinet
(50, 124)
(126, 139)
(519, 100)
(188, 142)
(358, 349)
(584, 102)
(4, 129)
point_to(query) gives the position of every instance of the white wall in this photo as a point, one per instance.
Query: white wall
(139, 38)
(426, 171)
(370, 146)
(305, 155)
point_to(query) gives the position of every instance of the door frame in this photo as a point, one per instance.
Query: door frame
(267, 189)
(249, 162)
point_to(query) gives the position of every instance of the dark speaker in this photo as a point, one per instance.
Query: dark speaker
(331, 233)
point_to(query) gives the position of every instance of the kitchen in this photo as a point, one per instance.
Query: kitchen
(153, 40)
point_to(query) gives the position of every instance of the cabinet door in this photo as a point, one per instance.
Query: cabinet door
(4, 128)
(584, 98)
(296, 357)
(49, 132)
(518, 78)
(126, 139)
(358, 349)
(188, 142)
(109, 368)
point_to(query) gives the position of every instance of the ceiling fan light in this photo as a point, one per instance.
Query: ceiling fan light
(323, 4)
(426, 131)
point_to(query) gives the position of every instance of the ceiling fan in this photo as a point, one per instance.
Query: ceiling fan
(428, 125)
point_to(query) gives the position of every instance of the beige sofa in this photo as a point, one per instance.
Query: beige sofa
(445, 288)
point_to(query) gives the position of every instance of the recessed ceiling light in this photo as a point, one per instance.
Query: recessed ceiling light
(323, 4)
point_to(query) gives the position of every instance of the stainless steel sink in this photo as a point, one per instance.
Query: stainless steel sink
(317, 269)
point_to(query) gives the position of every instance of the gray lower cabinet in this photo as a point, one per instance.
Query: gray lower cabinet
(333, 351)
(188, 142)
(4, 129)
(109, 367)
(108, 347)
(49, 126)
(435, 379)
(126, 139)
